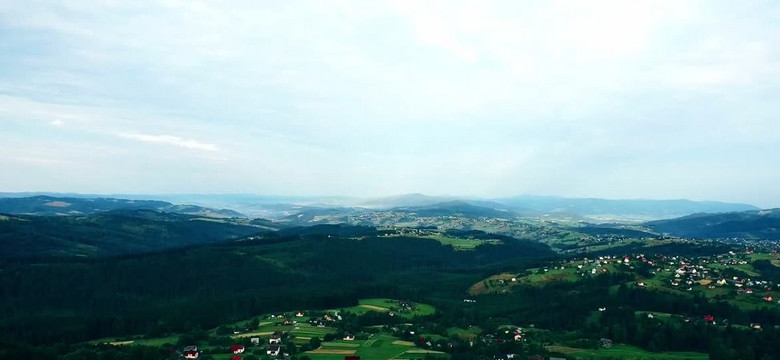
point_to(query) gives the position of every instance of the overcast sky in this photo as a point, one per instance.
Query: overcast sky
(622, 99)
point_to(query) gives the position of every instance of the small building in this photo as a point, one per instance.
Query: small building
(237, 349)
(349, 337)
(255, 341)
(190, 354)
(275, 339)
(273, 350)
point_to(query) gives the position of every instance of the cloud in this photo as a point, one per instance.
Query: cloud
(496, 98)
(171, 140)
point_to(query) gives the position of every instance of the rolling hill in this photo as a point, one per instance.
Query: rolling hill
(624, 208)
(456, 208)
(115, 232)
(755, 224)
(52, 205)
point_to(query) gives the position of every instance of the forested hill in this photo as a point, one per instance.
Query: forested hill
(626, 208)
(76, 299)
(758, 224)
(456, 208)
(51, 205)
(114, 233)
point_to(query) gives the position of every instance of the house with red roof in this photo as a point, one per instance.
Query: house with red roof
(237, 349)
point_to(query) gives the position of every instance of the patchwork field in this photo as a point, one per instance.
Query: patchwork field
(387, 305)
(461, 244)
(380, 346)
(626, 352)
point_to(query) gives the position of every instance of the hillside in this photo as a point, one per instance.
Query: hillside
(628, 208)
(54, 205)
(757, 224)
(454, 208)
(112, 233)
(75, 299)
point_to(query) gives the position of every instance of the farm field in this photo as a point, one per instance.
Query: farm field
(381, 346)
(626, 352)
(387, 305)
(460, 243)
(145, 342)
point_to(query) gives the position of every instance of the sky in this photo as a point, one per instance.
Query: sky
(614, 99)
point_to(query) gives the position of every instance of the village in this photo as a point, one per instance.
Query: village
(730, 277)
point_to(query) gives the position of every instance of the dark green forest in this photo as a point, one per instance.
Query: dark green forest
(53, 301)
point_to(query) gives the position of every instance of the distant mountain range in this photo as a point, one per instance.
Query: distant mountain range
(754, 224)
(456, 208)
(624, 208)
(50, 205)
(280, 207)
(635, 209)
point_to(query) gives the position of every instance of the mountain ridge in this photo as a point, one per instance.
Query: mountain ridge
(45, 205)
(756, 224)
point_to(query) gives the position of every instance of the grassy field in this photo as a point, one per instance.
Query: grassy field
(302, 331)
(626, 352)
(503, 282)
(461, 244)
(146, 342)
(386, 305)
(379, 347)
(469, 333)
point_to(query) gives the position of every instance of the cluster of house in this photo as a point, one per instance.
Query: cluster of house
(274, 347)
(191, 352)
(324, 320)
(405, 306)
(689, 273)
(685, 273)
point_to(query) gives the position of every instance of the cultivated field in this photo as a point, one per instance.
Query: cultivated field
(626, 352)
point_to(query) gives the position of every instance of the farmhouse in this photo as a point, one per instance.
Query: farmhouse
(237, 349)
(273, 350)
(275, 339)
